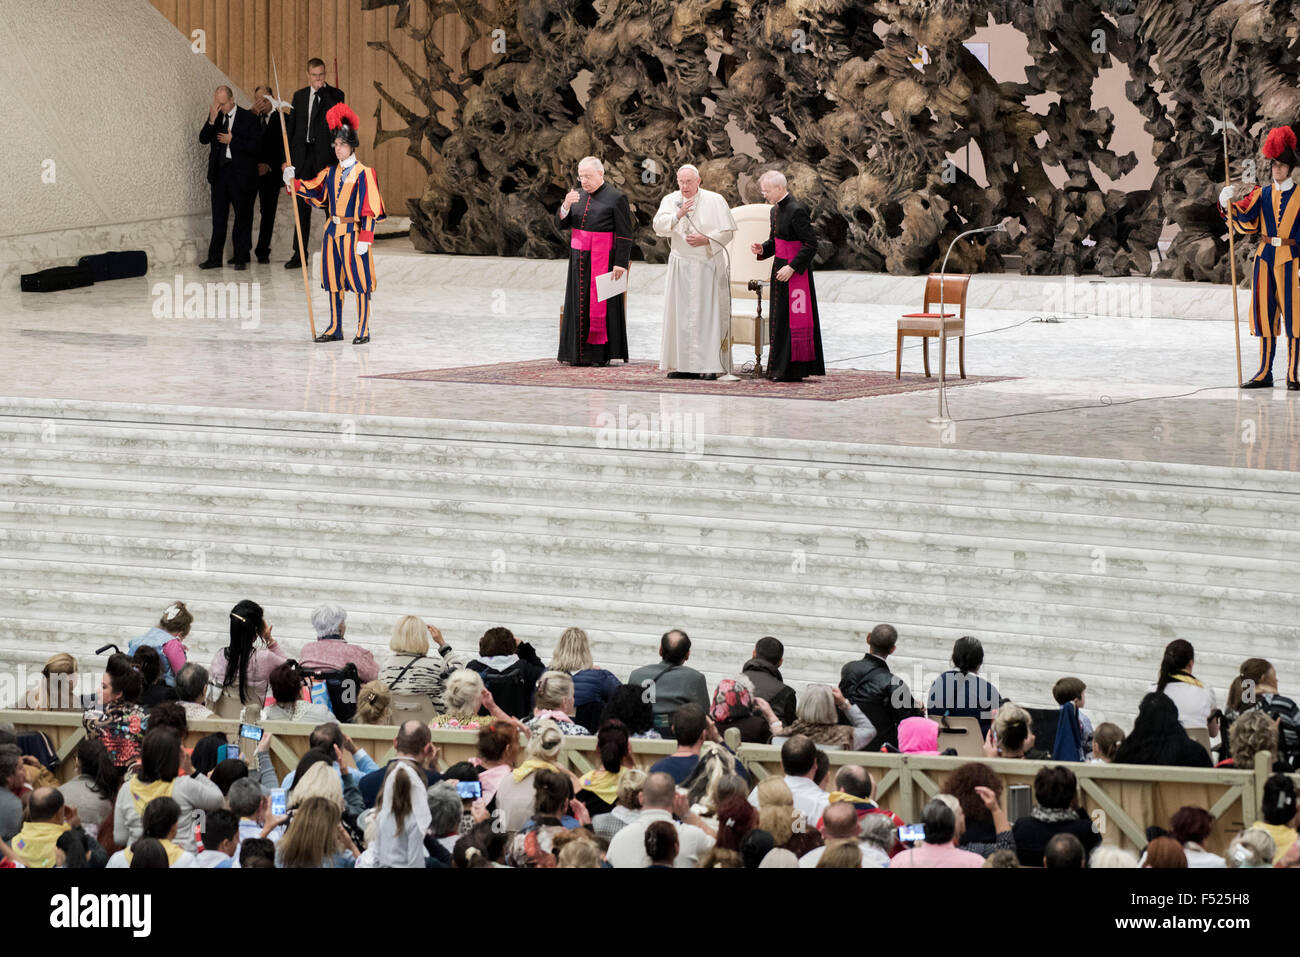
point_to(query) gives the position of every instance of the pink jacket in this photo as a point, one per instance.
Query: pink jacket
(918, 736)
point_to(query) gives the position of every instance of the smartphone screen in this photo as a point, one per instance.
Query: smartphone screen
(250, 731)
(278, 802)
(469, 790)
(911, 833)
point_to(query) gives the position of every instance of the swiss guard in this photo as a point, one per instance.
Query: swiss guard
(350, 192)
(1273, 213)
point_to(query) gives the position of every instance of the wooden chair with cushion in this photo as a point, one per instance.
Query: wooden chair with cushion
(927, 325)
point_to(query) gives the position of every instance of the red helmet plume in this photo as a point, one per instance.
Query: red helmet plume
(340, 114)
(1280, 144)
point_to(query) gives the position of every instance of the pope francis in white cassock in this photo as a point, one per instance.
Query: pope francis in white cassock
(697, 295)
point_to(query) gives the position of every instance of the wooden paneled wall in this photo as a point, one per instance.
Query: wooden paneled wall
(241, 37)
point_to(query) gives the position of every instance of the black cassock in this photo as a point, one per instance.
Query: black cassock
(791, 222)
(604, 211)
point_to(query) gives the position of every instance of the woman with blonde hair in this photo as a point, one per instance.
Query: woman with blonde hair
(316, 837)
(465, 697)
(373, 702)
(777, 815)
(554, 701)
(1253, 732)
(516, 793)
(1012, 734)
(410, 669)
(592, 687)
(627, 805)
(57, 690)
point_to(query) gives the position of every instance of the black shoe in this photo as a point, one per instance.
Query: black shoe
(679, 375)
(263, 259)
(1293, 387)
(210, 264)
(325, 338)
(360, 340)
(232, 261)
(293, 263)
(241, 265)
(1265, 383)
(709, 376)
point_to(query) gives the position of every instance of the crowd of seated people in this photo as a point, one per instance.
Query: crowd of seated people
(141, 799)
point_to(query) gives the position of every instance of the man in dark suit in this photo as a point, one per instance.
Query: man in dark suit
(270, 154)
(231, 137)
(310, 141)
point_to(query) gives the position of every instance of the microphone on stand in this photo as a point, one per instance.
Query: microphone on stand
(1010, 225)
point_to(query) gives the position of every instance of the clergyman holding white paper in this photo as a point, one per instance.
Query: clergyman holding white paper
(697, 294)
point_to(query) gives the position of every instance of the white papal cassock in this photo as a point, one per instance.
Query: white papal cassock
(697, 295)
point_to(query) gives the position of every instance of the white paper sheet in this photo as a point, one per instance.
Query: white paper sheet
(607, 286)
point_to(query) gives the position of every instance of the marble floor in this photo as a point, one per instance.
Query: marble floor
(1108, 386)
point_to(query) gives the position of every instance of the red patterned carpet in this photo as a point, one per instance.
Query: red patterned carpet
(642, 375)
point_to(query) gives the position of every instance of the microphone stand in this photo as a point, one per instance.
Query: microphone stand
(941, 418)
(724, 347)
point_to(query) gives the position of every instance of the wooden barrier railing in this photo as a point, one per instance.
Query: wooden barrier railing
(1122, 799)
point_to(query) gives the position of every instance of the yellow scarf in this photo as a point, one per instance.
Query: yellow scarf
(603, 784)
(173, 853)
(1186, 679)
(531, 765)
(142, 794)
(34, 845)
(836, 797)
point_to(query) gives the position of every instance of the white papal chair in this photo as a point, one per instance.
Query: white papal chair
(749, 277)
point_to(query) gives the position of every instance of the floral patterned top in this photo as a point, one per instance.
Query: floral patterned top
(120, 725)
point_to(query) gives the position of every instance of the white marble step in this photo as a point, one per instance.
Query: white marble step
(221, 530)
(759, 571)
(41, 587)
(31, 417)
(645, 481)
(593, 514)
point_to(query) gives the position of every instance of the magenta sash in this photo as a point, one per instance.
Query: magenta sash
(800, 305)
(599, 245)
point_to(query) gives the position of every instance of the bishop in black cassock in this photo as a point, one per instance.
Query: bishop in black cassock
(796, 329)
(600, 223)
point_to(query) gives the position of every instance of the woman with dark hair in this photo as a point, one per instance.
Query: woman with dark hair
(70, 850)
(509, 669)
(94, 789)
(242, 670)
(118, 720)
(162, 761)
(148, 852)
(1056, 791)
(1191, 827)
(661, 844)
(498, 753)
(979, 790)
(286, 683)
(154, 690)
(206, 754)
(1255, 689)
(961, 692)
(1195, 701)
(1159, 738)
(600, 787)
(628, 705)
(554, 810)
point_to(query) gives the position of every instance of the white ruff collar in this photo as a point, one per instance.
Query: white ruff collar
(1285, 185)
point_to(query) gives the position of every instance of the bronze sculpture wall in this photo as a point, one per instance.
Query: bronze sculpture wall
(828, 91)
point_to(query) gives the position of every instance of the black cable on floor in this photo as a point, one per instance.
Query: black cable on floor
(971, 335)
